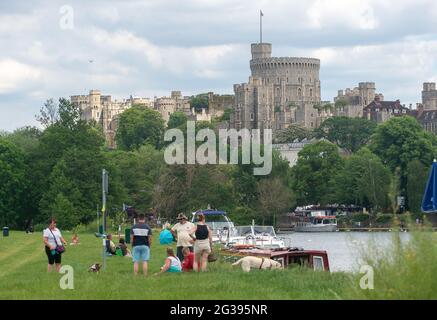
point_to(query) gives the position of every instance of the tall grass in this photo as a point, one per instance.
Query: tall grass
(406, 270)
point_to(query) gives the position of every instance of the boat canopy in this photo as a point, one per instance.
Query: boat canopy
(210, 212)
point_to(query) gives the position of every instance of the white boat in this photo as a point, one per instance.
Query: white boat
(317, 224)
(258, 236)
(219, 223)
(309, 219)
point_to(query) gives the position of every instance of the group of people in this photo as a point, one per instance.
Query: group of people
(193, 245)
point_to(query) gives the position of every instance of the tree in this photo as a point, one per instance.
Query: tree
(64, 211)
(399, 141)
(274, 199)
(177, 119)
(63, 190)
(348, 133)
(199, 102)
(137, 172)
(292, 133)
(138, 126)
(48, 114)
(26, 138)
(186, 188)
(364, 181)
(13, 184)
(316, 166)
(417, 177)
(341, 103)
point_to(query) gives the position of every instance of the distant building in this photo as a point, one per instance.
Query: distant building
(290, 151)
(218, 103)
(280, 91)
(381, 111)
(355, 100)
(429, 96)
(427, 119)
(168, 105)
(104, 111)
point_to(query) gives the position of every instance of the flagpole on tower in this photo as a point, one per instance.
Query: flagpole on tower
(261, 26)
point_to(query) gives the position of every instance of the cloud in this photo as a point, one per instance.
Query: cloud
(178, 60)
(14, 75)
(152, 47)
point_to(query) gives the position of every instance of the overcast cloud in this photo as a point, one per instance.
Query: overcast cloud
(148, 48)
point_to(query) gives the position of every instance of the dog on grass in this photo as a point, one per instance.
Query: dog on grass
(248, 263)
(94, 268)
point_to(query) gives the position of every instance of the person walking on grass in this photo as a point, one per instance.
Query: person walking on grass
(202, 243)
(172, 263)
(54, 245)
(181, 232)
(141, 239)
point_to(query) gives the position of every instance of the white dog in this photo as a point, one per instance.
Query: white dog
(258, 263)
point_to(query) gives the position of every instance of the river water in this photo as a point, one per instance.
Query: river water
(343, 248)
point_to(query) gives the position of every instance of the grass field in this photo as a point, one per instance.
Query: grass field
(402, 273)
(23, 275)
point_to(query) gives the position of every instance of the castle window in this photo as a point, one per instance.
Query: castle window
(252, 116)
(299, 92)
(311, 92)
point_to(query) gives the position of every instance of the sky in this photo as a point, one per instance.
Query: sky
(52, 49)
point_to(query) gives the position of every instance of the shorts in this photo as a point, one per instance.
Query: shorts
(174, 269)
(201, 247)
(53, 258)
(141, 253)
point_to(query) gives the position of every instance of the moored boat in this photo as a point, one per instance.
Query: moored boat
(288, 257)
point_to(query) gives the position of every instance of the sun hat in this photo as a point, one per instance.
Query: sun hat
(181, 216)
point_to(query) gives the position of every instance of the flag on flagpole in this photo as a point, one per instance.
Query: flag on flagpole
(261, 13)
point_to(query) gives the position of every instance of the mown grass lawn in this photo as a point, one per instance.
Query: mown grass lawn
(23, 275)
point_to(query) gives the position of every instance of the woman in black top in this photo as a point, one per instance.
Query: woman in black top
(202, 244)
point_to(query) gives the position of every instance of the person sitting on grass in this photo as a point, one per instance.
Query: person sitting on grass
(172, 263)
(187, 264)
(124, 249)
(110, 246)
(74, 240)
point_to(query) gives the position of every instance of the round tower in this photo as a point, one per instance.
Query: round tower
(261, 50)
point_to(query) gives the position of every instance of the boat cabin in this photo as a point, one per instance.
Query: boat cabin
(314, 259)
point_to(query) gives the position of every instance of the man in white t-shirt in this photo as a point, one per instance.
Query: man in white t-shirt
(52, 238)
(181, 231)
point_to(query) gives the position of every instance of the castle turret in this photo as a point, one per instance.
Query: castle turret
(429, 96)
(261, 50)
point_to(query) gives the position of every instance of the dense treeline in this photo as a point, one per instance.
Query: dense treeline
(57, 171)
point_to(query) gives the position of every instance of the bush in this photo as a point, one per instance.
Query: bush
(384, 218)
(360, 217)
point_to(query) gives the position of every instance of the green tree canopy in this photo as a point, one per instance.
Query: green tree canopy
(177, 119)
(364, 181)
(199, 102)
(316, 166)
(399, 141)
(138, 126)
(13, 184)
(348, 133)
(292, 133)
